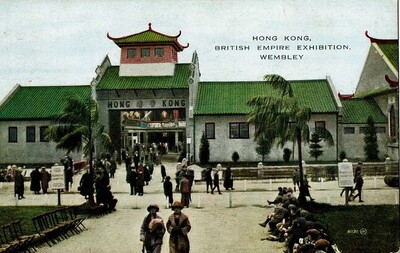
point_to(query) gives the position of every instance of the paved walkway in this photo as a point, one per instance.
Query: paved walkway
(220, 223)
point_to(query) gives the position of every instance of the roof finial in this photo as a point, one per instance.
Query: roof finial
(149, 26)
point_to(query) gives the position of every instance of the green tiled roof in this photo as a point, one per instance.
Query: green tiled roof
(357, 111)
(111, 80)
(147, 36)
(39, 102)
(231, 97)
(391, 51)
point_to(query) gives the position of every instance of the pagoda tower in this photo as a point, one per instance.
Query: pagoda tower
(148, 53)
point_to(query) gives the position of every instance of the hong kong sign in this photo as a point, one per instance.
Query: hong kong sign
(146, 103)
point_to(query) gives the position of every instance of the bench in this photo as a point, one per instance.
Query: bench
(14, 240)
(58, 224)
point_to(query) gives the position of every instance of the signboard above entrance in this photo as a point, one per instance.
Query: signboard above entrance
(146, 103)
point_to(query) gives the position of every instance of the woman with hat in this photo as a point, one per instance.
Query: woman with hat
(178, 226)
(152, 230)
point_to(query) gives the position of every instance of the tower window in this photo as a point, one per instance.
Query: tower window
(145, 52)
(159, 52)
(131, 53)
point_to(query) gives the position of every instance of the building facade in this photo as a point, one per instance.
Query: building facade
(150, 97)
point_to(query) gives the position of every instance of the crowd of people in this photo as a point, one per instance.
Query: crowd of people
(294, 226)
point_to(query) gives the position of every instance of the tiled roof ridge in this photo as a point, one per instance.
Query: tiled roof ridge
(376, 40)
(55, 85)
(262, 81)
(149, 30)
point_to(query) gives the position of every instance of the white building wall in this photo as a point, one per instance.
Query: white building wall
(24, 152)
(222, 147)
(353, 144)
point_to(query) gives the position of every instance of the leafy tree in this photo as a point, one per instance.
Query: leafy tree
(274, 115)
(371, 141)
(315, 147)
(77, 128)
(263, 147)
(204, 153)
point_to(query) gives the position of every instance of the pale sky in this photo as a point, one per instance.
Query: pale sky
(62, 42)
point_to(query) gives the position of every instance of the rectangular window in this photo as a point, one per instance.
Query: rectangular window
(30, 134)
(363, 130)
(320, 128)
(43, 135)
(238, 131)
(159, 52)
(131, 53)
(349, 130)
(145, 52)
(380, 130)
(210, 130)
(12, 134)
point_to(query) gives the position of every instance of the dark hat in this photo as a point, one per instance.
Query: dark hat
(313, 232)
(177, 204)
(153, 206)
(321, 244)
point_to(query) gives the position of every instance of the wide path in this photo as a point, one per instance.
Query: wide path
(220, 223)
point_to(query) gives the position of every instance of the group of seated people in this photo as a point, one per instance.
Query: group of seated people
(295, 226)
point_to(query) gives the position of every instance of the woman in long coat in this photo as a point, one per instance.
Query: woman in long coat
(45, 179)
(36, 177)
(228, 179)
(178, 225)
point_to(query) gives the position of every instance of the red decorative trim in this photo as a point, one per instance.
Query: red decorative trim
(392, 83)
(375, 40)
(345, 96)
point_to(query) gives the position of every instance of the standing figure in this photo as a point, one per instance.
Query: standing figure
(296, 179)
(133, 181)
(86, 185)
(228, 179)
(208, 178)
(168, 190)
(128, 162)
(163, 172)
(19, 184)
(68, 172)
(306, 188)
(140, 181)
(36, 177)
(46, 177)
(359, 182)
(178, 225)
(136, 158)
(113, 167)
(216, 183)
(152, 230)
(185, 191)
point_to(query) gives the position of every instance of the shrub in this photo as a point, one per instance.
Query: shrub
(342, 155)
(286, 154)
(235, 157)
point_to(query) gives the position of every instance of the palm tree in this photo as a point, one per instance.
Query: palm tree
(276, 113)
(77, 128)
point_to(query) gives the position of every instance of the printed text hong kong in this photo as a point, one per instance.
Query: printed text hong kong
(146, 103)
